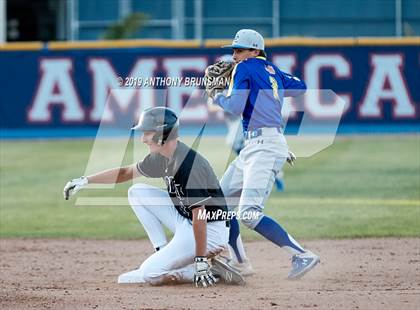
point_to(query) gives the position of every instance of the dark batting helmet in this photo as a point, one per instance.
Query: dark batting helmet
(161, 120)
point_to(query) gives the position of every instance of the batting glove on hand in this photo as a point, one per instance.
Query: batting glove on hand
(203, 275)
(291, 158)
(74, 186)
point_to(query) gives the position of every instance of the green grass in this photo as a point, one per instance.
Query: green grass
(358, 187)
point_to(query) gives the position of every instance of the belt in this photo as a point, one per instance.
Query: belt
(262, 131)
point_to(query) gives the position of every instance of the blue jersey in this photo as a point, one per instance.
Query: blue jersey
(256, 91)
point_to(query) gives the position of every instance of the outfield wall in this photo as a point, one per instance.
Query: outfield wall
(59, 88)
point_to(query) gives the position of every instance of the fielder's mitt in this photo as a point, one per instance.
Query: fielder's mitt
(217, 77)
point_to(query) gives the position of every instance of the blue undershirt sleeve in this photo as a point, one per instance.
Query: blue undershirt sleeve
(238, 92)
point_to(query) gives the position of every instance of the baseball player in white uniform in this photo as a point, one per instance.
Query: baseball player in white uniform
(256, 93)
(192, 189)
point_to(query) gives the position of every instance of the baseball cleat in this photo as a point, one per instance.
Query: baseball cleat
(228, 274)
(244, 268)
(302, 263)
(132, 276)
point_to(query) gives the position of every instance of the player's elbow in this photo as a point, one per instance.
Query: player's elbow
(298, 89)
(302, 89)
(125, 174)
(234, 110)
(198, 215)
(237, 103)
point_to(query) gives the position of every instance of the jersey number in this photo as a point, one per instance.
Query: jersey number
(275, 88)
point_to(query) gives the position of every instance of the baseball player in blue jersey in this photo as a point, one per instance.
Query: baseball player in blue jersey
(234, 136)
(256, 92)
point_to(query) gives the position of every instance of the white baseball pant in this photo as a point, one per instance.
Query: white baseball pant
(173, 263)
(250, 176)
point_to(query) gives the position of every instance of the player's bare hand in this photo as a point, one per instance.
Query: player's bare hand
(203, 277)
(291, 158)
(73, 186)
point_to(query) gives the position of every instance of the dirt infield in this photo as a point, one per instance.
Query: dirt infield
(82, 274)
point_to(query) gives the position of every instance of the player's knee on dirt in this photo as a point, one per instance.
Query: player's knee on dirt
(151, 274)
(156, 276)
(250, 216)
(153, 279)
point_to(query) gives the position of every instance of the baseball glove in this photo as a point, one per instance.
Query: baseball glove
(217, 77)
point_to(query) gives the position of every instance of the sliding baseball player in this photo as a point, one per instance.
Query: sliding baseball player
(192, 189)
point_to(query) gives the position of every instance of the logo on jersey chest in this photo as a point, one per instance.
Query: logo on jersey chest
(176, 189)
(270, 69)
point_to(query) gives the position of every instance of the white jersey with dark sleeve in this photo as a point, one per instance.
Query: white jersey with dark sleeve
(190, 181)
